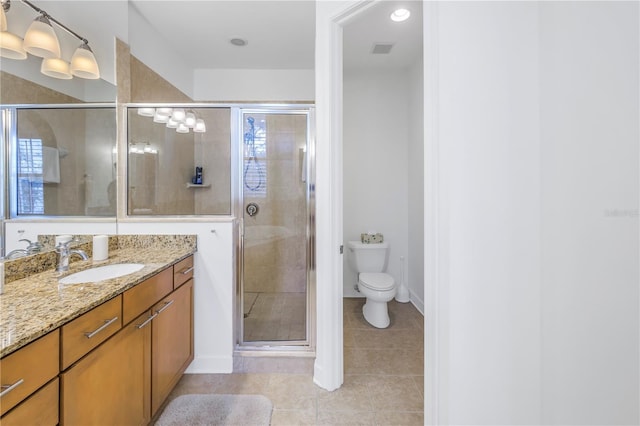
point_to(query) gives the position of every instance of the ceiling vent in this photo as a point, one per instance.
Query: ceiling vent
(381, 48)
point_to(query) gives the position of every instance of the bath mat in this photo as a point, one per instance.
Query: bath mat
(220, 410)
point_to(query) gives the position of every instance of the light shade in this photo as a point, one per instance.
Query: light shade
(41, 40)
(159, 118)
(172, 124)
(83, 63)
(146, 112)
(182, 128)
(3, 19)
(164, 111)
(178, 114)
(11, 46)
(190, 120)
(56, 68)
(200, 127)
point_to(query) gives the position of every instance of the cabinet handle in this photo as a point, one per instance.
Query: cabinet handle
(186, 271)
(166, 305)
(148, 320)
(106, 324)
(8, 388)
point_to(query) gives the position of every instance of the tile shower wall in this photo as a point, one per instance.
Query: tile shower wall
(279, 230)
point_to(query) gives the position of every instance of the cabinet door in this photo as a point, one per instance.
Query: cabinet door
(111, 385)
(172, 342)
(40, 409)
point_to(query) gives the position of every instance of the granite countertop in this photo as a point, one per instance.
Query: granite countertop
(33, 306)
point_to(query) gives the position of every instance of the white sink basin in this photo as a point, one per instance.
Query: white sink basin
(102, 273)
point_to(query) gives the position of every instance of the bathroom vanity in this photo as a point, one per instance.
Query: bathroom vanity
(97, 353)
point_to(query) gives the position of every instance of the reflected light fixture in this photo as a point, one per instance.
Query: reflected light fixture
(56, 68)
(200, 126)
(181, 119)
(190, 120)
(178, 114)
(146, 112)
(400, 15)
(41, 40)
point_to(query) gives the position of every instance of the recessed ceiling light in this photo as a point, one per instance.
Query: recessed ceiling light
(238, 42)
(400, 15)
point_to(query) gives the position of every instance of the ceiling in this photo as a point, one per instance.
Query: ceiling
(279, 34)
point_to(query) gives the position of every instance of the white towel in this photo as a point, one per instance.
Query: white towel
(50, 165)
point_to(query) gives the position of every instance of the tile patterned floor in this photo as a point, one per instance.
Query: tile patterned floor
(383, 377)
(275, 316)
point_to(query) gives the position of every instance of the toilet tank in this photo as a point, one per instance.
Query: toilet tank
(368, 257)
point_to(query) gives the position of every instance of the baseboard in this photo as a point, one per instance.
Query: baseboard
(417, 302)
(210, 365)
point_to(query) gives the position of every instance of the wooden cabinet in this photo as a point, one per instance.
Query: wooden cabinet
(40, 409)
(182, 272)
(146, 294)
(26, 370)
(89, 330)
(110, 386)
(114, 365)
(172, 342)
(125, 380)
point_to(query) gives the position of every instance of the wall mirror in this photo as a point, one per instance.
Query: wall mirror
(179, 160)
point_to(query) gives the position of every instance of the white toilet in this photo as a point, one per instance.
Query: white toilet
(369, 261)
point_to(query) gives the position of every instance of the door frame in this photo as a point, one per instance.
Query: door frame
(329, 365)
(306, 347)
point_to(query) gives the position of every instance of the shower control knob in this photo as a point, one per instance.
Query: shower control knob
(252, 209)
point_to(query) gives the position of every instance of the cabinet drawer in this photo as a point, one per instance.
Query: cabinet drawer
(41, 408)
(182, 272)
(28, 369)
(89, 330)
(141, 297)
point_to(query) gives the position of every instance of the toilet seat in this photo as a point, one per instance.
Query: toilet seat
(378, 281)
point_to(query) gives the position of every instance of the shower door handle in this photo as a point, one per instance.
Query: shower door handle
(252, 209)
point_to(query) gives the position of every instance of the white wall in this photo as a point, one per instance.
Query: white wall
(214, 290)
(253, 85)
(17, 229)
(414, 275)
(589, 55)
(376, 146)
(488, 144)
(538, 108)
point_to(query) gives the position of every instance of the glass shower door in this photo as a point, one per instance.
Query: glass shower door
(275, 220)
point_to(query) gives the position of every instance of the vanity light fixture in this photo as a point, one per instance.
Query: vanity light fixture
(3, 20)
(146, 112)
(200, 126)
(41, 40)
(182, 128)
(56, 68)
(167, 112)
(178, 114)
(400, 15)
(10, 44)
(181, 119)
(190, 120)
(172, 124)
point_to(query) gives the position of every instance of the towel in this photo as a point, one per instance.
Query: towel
(50, 165)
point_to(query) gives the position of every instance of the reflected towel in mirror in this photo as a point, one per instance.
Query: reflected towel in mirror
(50, 165)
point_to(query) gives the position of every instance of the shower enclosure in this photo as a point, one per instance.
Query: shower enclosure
(276, 233)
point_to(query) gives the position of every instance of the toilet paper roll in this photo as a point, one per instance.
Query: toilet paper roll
(100, 247)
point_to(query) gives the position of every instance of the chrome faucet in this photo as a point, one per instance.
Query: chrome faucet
(64, 253)
(32, 247)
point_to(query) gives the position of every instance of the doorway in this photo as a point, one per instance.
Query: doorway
(276, 205)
